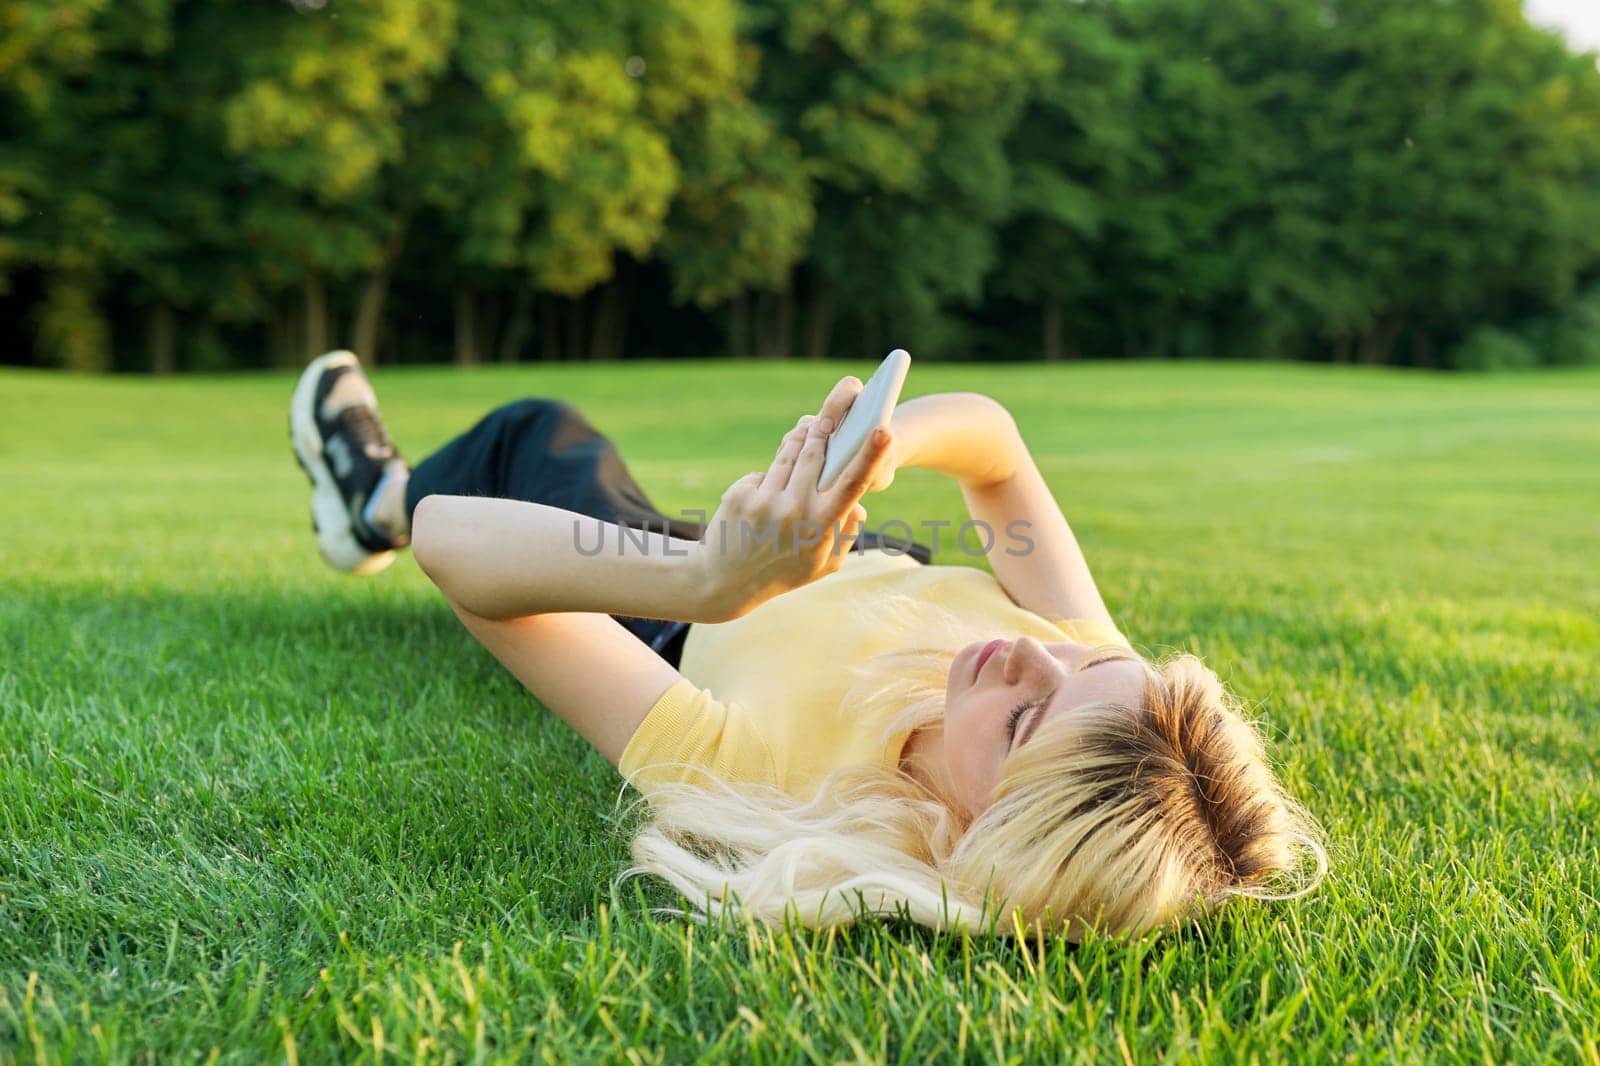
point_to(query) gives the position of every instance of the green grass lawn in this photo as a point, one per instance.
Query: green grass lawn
(254, 808)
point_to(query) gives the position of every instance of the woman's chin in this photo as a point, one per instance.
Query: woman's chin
(950, 672)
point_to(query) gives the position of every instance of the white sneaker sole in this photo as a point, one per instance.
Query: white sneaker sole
(335, 539)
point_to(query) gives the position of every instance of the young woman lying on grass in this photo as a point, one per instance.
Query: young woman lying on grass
(820, 723)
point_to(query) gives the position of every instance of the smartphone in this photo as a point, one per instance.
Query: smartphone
(871, 408)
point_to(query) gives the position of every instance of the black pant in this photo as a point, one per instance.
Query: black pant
(544, 451)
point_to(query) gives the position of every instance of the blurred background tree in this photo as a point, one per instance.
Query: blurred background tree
(200, 186)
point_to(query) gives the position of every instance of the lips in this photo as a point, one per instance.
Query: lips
(983, 656)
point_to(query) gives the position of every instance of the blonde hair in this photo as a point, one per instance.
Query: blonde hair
(1128, 819)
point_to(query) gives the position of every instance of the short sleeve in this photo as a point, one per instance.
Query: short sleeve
(687, 731)
(1088, 631)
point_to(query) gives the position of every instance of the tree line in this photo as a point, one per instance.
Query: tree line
(204, 184)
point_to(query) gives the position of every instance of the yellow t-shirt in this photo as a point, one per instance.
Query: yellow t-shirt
(760, 699)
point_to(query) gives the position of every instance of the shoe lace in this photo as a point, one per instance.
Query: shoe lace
(360, 423)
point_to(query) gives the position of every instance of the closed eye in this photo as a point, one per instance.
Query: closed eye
(1032, 724)
(1016, 716)
(1017, 740)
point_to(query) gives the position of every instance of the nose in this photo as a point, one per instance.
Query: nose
(1027, 659)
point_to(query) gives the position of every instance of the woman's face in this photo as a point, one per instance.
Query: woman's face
(990, 680)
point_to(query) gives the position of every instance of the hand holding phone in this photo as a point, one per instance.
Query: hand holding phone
(789, 532)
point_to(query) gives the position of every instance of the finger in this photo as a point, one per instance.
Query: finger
(855, 523)
(849, 537)
(777, 476)
(745, 481)
(840, 398)
(861, 472)
(808, 465)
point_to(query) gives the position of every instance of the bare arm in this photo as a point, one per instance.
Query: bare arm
(964, 435)
(498, 559)
(973, 439)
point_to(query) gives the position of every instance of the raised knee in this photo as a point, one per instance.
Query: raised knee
(556, 422)
(536, 407)
(530, 414)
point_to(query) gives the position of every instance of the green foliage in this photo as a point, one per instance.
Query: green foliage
(1352, 180)
(72, 332)
(592, 174)
(1571, 337)
(1492, 348)
(1327, 180)
(744, 214)
(319, 101)
(254, 809)
(903, 122)
(1568, 337)
(1072, 151)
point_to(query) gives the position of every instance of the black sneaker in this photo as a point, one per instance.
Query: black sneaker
(344, 456)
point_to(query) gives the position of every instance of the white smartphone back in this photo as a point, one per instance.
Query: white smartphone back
(872, 408)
